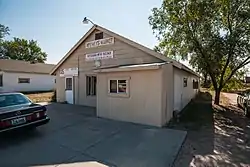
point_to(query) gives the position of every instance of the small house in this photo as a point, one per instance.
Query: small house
(123, 79)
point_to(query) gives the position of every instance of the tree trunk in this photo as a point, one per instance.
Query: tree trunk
(205, 81)
(217, 96)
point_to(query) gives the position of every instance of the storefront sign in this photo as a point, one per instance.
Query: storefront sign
(69, 72)
(100, 42)
(99, 56)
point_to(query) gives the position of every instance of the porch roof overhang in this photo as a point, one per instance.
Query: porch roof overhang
(133, 67)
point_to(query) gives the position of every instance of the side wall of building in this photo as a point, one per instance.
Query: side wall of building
(183, 94)
(38, 82)
(167, 92)
(143, 105)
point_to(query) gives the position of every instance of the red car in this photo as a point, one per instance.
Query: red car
(17, 111)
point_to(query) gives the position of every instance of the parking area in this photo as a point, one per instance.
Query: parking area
(76, 137)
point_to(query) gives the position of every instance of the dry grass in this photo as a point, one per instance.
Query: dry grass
(223, 99)
(217, 135)
(41, 97)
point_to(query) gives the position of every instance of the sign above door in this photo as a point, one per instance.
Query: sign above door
(69, 72)
(100, 42)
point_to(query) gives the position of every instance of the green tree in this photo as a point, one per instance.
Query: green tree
(215, 32)
(3, 31)
(22, 49)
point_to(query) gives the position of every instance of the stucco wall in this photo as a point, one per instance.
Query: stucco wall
(38, 82)
(123, 54)
(167, 92)
(143, 104)
(183, 95)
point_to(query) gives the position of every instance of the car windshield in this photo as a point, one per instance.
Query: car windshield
(12, 99)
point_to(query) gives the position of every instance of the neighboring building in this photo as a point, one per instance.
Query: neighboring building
(123, 79)
(21, 76)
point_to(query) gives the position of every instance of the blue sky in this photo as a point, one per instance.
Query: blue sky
(57, 26)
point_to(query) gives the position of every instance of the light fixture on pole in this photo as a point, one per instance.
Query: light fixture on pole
(86, 21)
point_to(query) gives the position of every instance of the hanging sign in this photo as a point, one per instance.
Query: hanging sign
(100, 42)
(69, 72)
(99, 56)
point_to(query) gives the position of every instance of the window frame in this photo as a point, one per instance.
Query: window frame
(72, 84)
(185, 84)
(93, 91)
(119, 94)
(21, 82)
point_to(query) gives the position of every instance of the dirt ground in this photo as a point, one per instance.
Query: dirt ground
(217, 135)
(40, 96)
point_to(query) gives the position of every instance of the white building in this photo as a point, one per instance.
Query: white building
(23, 76)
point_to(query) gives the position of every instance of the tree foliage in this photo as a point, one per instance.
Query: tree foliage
(20, 49)
(3, 31)
(215, 34)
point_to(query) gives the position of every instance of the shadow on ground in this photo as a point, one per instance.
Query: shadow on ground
(217, 135)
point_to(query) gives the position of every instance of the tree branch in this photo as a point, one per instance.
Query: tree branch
(230, 51)
(199, 49)
(245, 62)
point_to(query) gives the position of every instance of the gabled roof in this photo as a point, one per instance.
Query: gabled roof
(9, 65)
(125, 40)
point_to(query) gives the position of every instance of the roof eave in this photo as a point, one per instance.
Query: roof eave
(73, 49)
(154, 67)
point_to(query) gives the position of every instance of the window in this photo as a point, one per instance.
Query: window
(99, 35)
(117, 86)
(23, 80)
(195, 84)
(68, 84)
(91, 85)
(1, 80)
(184, 82)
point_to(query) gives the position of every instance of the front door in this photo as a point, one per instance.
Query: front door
(69, 90)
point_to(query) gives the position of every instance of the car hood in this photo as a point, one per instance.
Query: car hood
(17, 107)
